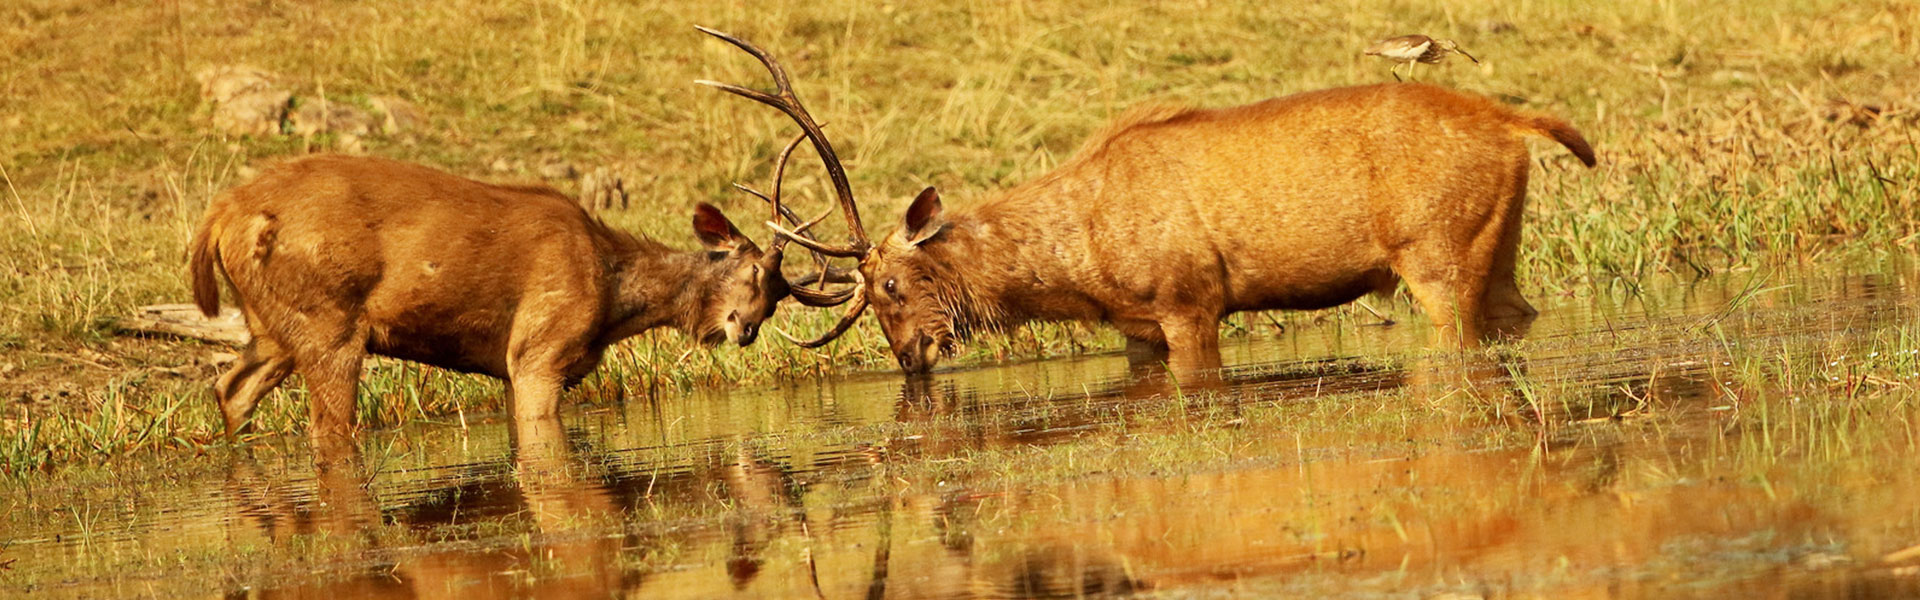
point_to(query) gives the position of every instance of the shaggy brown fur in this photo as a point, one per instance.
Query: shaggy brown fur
(1174, 218)
(333, 257)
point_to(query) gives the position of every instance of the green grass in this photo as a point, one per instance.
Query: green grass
(1710, 120)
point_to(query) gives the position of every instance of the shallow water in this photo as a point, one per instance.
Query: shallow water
(1684, 441)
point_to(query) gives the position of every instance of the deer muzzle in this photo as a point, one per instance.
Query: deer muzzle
(918, 355)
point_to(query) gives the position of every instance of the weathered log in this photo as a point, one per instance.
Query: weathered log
(185, 320)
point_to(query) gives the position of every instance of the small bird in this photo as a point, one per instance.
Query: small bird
(1414, 49)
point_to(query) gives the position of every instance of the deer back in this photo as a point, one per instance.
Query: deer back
(436, 266)
(1243, 201)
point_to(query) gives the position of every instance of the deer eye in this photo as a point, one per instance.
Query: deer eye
(756, 271)
(888, 286)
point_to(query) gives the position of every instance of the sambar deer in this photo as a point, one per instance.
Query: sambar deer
(333, 257)
(1172, 218)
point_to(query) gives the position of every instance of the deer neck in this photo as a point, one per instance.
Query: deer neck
(658, 287)
(1011, 260)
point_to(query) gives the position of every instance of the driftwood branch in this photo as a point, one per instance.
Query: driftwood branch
(185, 320)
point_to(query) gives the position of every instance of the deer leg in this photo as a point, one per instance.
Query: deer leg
(1452, 325)
(1503, 299)
(539, 374)
(1508, 314)
(1145, 356)
(333, 378)
(536, 396)
(1439, 281)
(536, 419)
(548, 351)
(1146, 344)
(1193, 346)
(1146, 350)
(260, 368)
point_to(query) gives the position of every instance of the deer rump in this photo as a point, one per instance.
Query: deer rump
(436, 268)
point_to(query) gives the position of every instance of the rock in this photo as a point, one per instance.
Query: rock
(397, 115)
(317, 116)
(244, 99)
(558, 169)
(347, 143)
(248, 101)
(223, 83)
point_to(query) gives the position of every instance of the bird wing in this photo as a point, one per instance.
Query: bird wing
(1406, 52)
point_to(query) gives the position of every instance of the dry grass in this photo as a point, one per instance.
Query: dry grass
(1731, 136)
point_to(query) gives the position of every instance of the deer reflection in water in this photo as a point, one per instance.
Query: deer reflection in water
(568, 511)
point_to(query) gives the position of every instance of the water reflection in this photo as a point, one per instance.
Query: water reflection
(1607, 457)
(568, 509)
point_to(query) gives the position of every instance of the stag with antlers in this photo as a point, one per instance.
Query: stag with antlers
(1172, 218)
(334, 257)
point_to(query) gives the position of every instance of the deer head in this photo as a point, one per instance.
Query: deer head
(915, 290)
(748, 287)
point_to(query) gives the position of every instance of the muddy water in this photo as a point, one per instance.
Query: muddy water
(1720, 438)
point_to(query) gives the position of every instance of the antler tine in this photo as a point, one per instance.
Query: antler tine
(818, 298)
(846, 322)
(821, 260)
(798, 233)
(780, 179)
(816, 245)
(805, 295)
(772, 68)
(789, 103)
(781, 211)
(830, 275)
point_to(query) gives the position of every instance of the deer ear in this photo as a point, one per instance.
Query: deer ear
(715, 231)
(923, 218)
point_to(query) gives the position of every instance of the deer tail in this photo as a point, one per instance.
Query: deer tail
(1559, 131)
(203, 260)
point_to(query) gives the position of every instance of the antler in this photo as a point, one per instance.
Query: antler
(785, 100)
(858, 244)
(846, 320)
(805, 295)
(780, 211)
